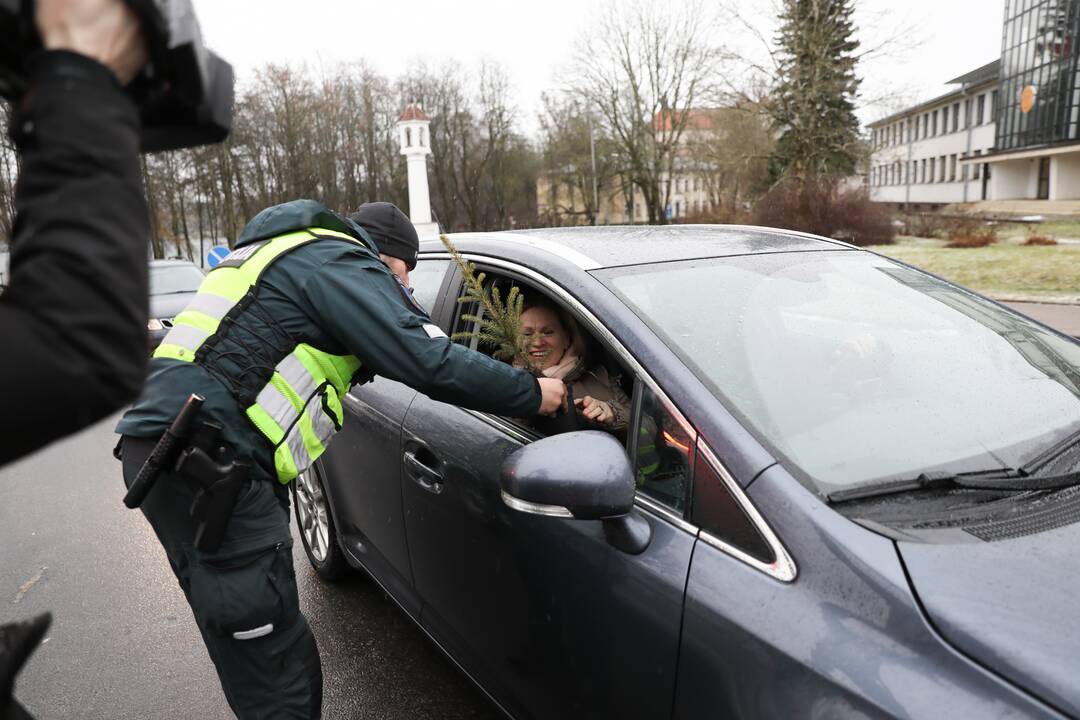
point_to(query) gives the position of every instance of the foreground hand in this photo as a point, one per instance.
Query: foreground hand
(553, 396)
(595, 410)
(103, 30)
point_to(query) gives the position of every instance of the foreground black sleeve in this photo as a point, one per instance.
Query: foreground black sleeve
(73, 318)
(357, 300)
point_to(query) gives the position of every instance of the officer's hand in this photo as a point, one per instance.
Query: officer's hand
(553, 396)
(104, 30)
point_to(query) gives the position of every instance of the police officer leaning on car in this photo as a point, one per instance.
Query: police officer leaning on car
(307, 304)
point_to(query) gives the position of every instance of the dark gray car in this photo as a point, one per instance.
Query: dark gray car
(173, 284)
(853, 490)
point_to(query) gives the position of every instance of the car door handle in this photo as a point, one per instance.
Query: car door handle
(425, 476)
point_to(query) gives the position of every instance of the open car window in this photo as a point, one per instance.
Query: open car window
(659, 448)
(598, 374)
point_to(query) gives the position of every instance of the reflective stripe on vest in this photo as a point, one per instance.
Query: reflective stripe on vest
(300, 408)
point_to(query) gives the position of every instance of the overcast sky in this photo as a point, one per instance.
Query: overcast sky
(534, 40)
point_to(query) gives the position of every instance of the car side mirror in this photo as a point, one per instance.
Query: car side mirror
(584, 475)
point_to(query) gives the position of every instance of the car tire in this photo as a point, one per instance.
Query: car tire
(318, 534)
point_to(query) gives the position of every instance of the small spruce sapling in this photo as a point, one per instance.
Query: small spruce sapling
(498, 323)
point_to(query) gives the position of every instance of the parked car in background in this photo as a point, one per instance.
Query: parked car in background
(173, 283)
(849, 489)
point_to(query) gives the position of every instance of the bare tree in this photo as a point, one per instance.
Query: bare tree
(731, 154)
(482, 171)
(9, 173)
(576, 154)
(647, 66)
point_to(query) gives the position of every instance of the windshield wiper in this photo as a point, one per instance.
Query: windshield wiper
(997, 479)
(1050, 454)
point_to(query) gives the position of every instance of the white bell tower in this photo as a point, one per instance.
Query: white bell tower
(415, 142)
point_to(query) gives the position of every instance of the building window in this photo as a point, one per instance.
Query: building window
(941, 169)
(980, 109)
(926, 125)
(922, 170)
(945, 120)
(978, 166)
(933, 170)
(952, 168)
(967, 113)
(955, 116)
(933, 125)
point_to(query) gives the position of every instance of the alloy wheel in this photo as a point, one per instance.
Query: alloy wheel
(313, 514)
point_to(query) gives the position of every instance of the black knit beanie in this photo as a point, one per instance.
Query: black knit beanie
(391, 230)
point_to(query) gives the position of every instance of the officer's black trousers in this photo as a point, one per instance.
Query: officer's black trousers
(243, 596)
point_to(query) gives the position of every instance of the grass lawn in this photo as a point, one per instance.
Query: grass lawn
(1007, 270)
(1016, 232)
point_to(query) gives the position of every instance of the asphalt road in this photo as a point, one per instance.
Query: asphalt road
(1065, 318)
(123, 643)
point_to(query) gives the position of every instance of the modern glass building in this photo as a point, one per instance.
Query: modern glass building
(1024, 114)
(1040, 87)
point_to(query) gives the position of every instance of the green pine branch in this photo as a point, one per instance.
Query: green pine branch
(498, 324)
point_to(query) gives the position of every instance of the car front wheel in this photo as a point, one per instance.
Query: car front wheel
(316, 526)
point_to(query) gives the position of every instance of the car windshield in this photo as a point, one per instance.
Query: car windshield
(858, 370)
(169, 279)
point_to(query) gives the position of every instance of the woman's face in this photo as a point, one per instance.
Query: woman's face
(546, 339)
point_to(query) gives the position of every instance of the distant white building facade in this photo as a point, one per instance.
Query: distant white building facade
(931, 154)
(1010, 132)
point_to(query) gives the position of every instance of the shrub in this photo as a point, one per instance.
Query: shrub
(718, 214)
(925, 225)
(970, 233)
(969, 241)
(1040, 240)
(821, 205)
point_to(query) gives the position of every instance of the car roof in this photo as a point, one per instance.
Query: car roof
(592, 248)
(168, 263)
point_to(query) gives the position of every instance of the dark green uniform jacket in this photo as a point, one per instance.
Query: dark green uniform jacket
(338, 297)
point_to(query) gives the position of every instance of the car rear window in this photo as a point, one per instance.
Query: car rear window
(169, 279)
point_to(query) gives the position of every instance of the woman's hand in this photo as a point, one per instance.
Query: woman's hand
(597, 411)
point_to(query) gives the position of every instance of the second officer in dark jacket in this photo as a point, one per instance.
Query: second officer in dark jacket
(307, 304)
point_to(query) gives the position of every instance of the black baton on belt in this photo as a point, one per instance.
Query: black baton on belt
(165, 452)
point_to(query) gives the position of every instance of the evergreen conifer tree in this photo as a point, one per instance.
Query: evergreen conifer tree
(814, 101)
(497, 321)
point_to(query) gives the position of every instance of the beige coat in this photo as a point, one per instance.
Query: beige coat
(596, 383)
